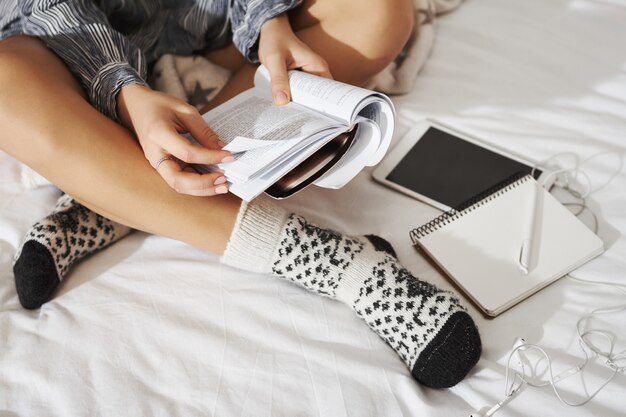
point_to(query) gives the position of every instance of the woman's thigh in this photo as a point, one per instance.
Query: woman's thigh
(37, 92)
(21, 56)
(49, 125)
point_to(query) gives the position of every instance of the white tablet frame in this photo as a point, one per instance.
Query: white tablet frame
(416, 133)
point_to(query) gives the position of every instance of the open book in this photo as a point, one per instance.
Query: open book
(269, 141)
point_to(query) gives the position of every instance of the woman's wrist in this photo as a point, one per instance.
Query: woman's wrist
(125, 98)
(278, 25)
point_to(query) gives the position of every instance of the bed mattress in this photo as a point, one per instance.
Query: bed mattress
(154, 327)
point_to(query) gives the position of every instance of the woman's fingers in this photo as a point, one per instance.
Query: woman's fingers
(185, 180)
(173, 143)
(170, 154)
(198, 128)
(300, 57)
(318, 66)
(159, 121)
(277, 67)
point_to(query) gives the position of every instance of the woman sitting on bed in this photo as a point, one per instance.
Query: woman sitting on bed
(75, 107)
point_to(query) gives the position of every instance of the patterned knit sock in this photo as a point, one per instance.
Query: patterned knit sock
(426, 326)
(54, 244)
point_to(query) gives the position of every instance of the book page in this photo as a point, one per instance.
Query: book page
(342, 101)
(241, 144)
(252, 156)
(253, 116)
(332, 98)
(381, 112)
(357, 157)
(256, 185)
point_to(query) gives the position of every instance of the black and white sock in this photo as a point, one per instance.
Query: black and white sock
(54, 244)
(426, 326)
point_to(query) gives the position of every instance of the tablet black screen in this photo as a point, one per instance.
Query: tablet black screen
(451, 170)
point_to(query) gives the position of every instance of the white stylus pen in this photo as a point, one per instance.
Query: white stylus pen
(526, 249)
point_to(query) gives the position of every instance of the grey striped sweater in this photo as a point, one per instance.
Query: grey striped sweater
(111, 44)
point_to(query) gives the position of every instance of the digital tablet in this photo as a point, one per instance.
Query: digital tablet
(445, 168)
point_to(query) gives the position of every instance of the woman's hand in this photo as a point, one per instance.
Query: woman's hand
(158, 120)
(280, 50)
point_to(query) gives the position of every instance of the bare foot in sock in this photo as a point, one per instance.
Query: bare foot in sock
(426, 326)
(54, 244)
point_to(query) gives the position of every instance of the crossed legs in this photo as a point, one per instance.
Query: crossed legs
(48, 124)
(52, 128)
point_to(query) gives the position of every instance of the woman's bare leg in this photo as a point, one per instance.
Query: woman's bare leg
(357, 38)
(48, 124)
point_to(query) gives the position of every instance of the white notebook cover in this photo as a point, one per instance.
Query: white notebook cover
(479, 247)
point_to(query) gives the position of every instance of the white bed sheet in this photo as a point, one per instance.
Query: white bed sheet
(153, 327)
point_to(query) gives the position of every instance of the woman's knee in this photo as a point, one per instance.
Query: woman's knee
(371, 32)
(385, 26)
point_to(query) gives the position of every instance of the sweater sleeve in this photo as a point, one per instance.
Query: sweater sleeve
(78, 32)
(247, 17)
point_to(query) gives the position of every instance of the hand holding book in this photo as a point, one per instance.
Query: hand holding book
(157, 119)
(280, 50)
(269, 140)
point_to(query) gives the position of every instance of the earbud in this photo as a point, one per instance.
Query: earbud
(491, 411)
(519, 342)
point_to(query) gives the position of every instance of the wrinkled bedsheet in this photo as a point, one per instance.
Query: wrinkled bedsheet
(153, 327)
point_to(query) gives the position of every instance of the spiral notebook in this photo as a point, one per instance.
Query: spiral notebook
(479, 246)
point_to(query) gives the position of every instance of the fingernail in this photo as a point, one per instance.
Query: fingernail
(220, 180)
(281, 98)
(222, 189)
(228, 159)
(221, 144)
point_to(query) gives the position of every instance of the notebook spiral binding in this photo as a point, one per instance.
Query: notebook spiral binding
(468, 206)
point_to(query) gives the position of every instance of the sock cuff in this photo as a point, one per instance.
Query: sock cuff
(352, 280)
(255, 236)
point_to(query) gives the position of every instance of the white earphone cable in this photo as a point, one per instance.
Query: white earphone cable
(514, 381)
